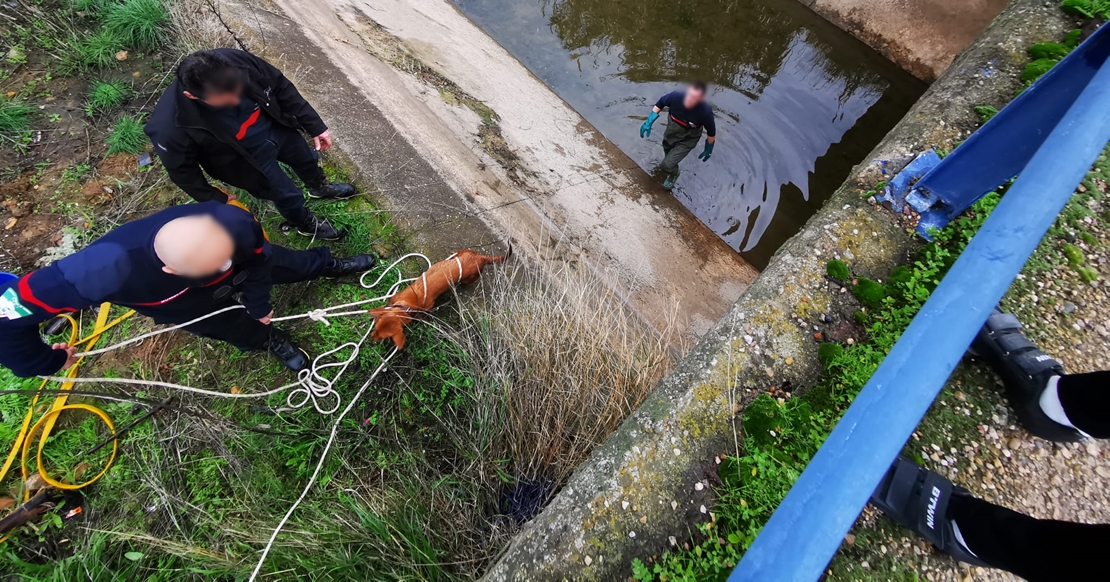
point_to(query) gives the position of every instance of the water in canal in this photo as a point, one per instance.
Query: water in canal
(798, 102)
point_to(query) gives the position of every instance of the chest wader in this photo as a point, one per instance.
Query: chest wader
(678, 142)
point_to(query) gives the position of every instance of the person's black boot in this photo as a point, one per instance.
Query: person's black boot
(349, 265)
(283, 348)
(320, 228)
(1025, 371)
(333, 191)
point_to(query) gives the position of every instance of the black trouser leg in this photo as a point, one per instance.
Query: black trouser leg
(290, 266)
(302, 158)
(1086, 401)
(235, 327)
(287, 197)
(1035, 549)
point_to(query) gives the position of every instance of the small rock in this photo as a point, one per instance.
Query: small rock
(1102, 472)
(851, 341)
(643, 519)
(1092, 449)
(1068, 307)
(624, 504)
(674, 505)
(11, 223)
(789, 361)
(698, 486)
(121, 56)
(827, 318)
(1015, 443)
(748, 339)
(673, 541)
(960, 396)
(850, 539)
(632, 534)
(588, 560)
(677, 452)
(817, 336)
(704, 510)
(35, 482)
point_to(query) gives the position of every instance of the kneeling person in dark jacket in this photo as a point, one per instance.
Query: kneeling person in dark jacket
(236, 116)
(174, 266)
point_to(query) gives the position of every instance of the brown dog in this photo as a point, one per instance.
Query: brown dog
(420, 296)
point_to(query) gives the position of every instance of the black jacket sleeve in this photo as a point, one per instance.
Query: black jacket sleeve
(34, 299)
(253, 254)
(181, 164)
(289, 99)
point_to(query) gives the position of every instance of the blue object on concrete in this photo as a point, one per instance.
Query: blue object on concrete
(900, 186)
(1000, 149)
(807, 528)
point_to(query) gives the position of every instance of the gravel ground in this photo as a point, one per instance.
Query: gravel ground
(972, 437)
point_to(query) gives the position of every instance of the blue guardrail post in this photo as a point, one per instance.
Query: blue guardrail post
(807, 528)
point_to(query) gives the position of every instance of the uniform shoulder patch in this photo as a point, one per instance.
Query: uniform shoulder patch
(10, 307)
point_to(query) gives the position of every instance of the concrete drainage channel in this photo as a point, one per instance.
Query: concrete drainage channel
(430, 144)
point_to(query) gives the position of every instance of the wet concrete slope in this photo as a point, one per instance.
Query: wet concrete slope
(554, 178)
(798, 102)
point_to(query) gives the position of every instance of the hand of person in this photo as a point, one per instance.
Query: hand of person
(708, 151)
(71, 354)
(645, 129)
(322, 141)
(266, 320)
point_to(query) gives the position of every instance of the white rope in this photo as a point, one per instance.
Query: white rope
(311, 385)
(319, 466)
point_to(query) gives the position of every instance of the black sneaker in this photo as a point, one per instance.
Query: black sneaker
(333, 191)
(320, 228)
(286, 351)
(350, 265)
(1025, 372)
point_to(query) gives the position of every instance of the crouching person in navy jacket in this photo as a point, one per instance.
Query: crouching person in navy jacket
(173, 266)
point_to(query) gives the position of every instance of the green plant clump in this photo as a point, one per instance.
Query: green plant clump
(838, 270)
(1035, 69)
(14, 118)
(1074, 255)
(1048, 50)
(870, 293)
(106, 95)
(781, 437)
(985, 112)
(139, 24)
(97, 50)
(127, 136)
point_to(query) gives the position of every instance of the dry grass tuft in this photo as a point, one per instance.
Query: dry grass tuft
(570, 360)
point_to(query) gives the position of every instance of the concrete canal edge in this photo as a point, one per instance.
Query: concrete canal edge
(644, 489)
(922, 36)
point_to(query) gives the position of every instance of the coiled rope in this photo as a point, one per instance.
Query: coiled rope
(311, 385)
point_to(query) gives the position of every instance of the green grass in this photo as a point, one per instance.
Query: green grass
(127, 136)
(140, 24)
(781, 437)
(14, 118)
(92, 51)
(105, 96)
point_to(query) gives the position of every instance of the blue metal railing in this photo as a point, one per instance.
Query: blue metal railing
(807, 528)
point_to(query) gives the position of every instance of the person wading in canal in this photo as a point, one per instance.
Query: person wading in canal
(236, 117)
(689, 114)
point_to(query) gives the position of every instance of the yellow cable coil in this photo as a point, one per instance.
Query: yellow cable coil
(45, 423)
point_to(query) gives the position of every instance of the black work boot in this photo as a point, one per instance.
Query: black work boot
(333, 191)
(320, 228)
(349, 265)
(1025, 372)
(283, 348)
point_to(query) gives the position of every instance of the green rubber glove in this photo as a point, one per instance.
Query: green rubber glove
(645, 129)
(708, 151)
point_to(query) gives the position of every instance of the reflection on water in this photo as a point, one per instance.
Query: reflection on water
(798, 102)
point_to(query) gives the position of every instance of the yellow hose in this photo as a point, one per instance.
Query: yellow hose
(45, 424)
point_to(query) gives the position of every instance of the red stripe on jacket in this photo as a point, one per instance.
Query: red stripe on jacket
(26, 293)
(247, 124)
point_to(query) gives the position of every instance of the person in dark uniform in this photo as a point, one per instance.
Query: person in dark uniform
(688, 115)
(174, 266)
(238, 118)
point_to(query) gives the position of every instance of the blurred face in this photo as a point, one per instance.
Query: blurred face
(694, 96)
(219, 98)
